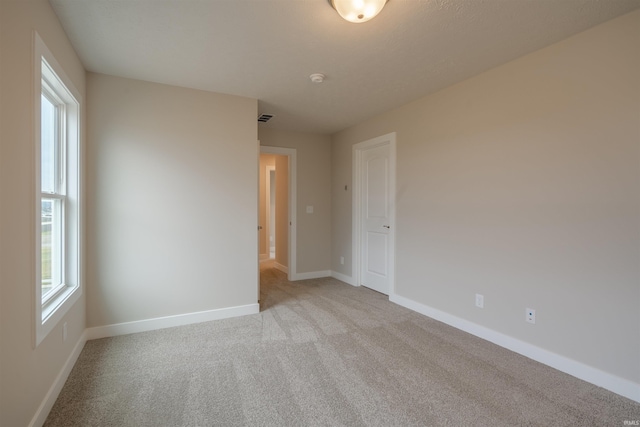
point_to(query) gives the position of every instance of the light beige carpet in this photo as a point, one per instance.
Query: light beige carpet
(323, 353)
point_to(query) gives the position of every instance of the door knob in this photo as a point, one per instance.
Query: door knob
(386, 226)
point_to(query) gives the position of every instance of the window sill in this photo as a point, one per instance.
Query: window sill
(50, 314)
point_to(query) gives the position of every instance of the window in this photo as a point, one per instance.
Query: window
(57, 148)
(52, 188)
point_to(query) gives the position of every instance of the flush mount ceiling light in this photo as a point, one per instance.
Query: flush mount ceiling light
(358, 11)
(317, 77)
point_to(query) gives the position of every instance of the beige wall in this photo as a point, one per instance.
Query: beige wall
(172, 203)
(26, 374)
(313, 154)
(523, 184)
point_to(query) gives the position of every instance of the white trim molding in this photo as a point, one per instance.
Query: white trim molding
(595, 376)
(282, 268)
(47, 71)
(129, 328)
(170, 321)
(343, 278)
(312, 275)
(54, 391)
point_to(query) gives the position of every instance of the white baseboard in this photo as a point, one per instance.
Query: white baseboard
(343, 278)
(311, 275)
(128, 328)
(281, 267)
(54, 391)
(170, 321)
(613, 383)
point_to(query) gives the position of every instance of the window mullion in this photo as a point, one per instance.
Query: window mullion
(56, 196)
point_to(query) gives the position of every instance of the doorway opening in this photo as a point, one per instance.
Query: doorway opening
(277, 236)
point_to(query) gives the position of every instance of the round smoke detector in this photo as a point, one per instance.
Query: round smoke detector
(317, 77)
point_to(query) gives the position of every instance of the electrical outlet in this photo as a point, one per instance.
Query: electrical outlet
(342, 260)
(479, 300)
(530, 315)
(64, 332)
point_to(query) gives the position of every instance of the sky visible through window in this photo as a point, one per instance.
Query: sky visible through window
(47, 129)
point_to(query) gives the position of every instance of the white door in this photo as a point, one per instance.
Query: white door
(375, 193)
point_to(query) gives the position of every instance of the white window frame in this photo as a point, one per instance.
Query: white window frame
(58, 196)
(49, 78)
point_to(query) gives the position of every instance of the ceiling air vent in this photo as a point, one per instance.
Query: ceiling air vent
(264, 118)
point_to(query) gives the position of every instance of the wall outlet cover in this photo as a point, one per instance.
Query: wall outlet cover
(479, 300)
(530, 315)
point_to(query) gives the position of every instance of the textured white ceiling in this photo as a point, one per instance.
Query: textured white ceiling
(266, 49)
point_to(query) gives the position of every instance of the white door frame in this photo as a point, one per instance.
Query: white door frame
(357, 152)
(291, 153)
